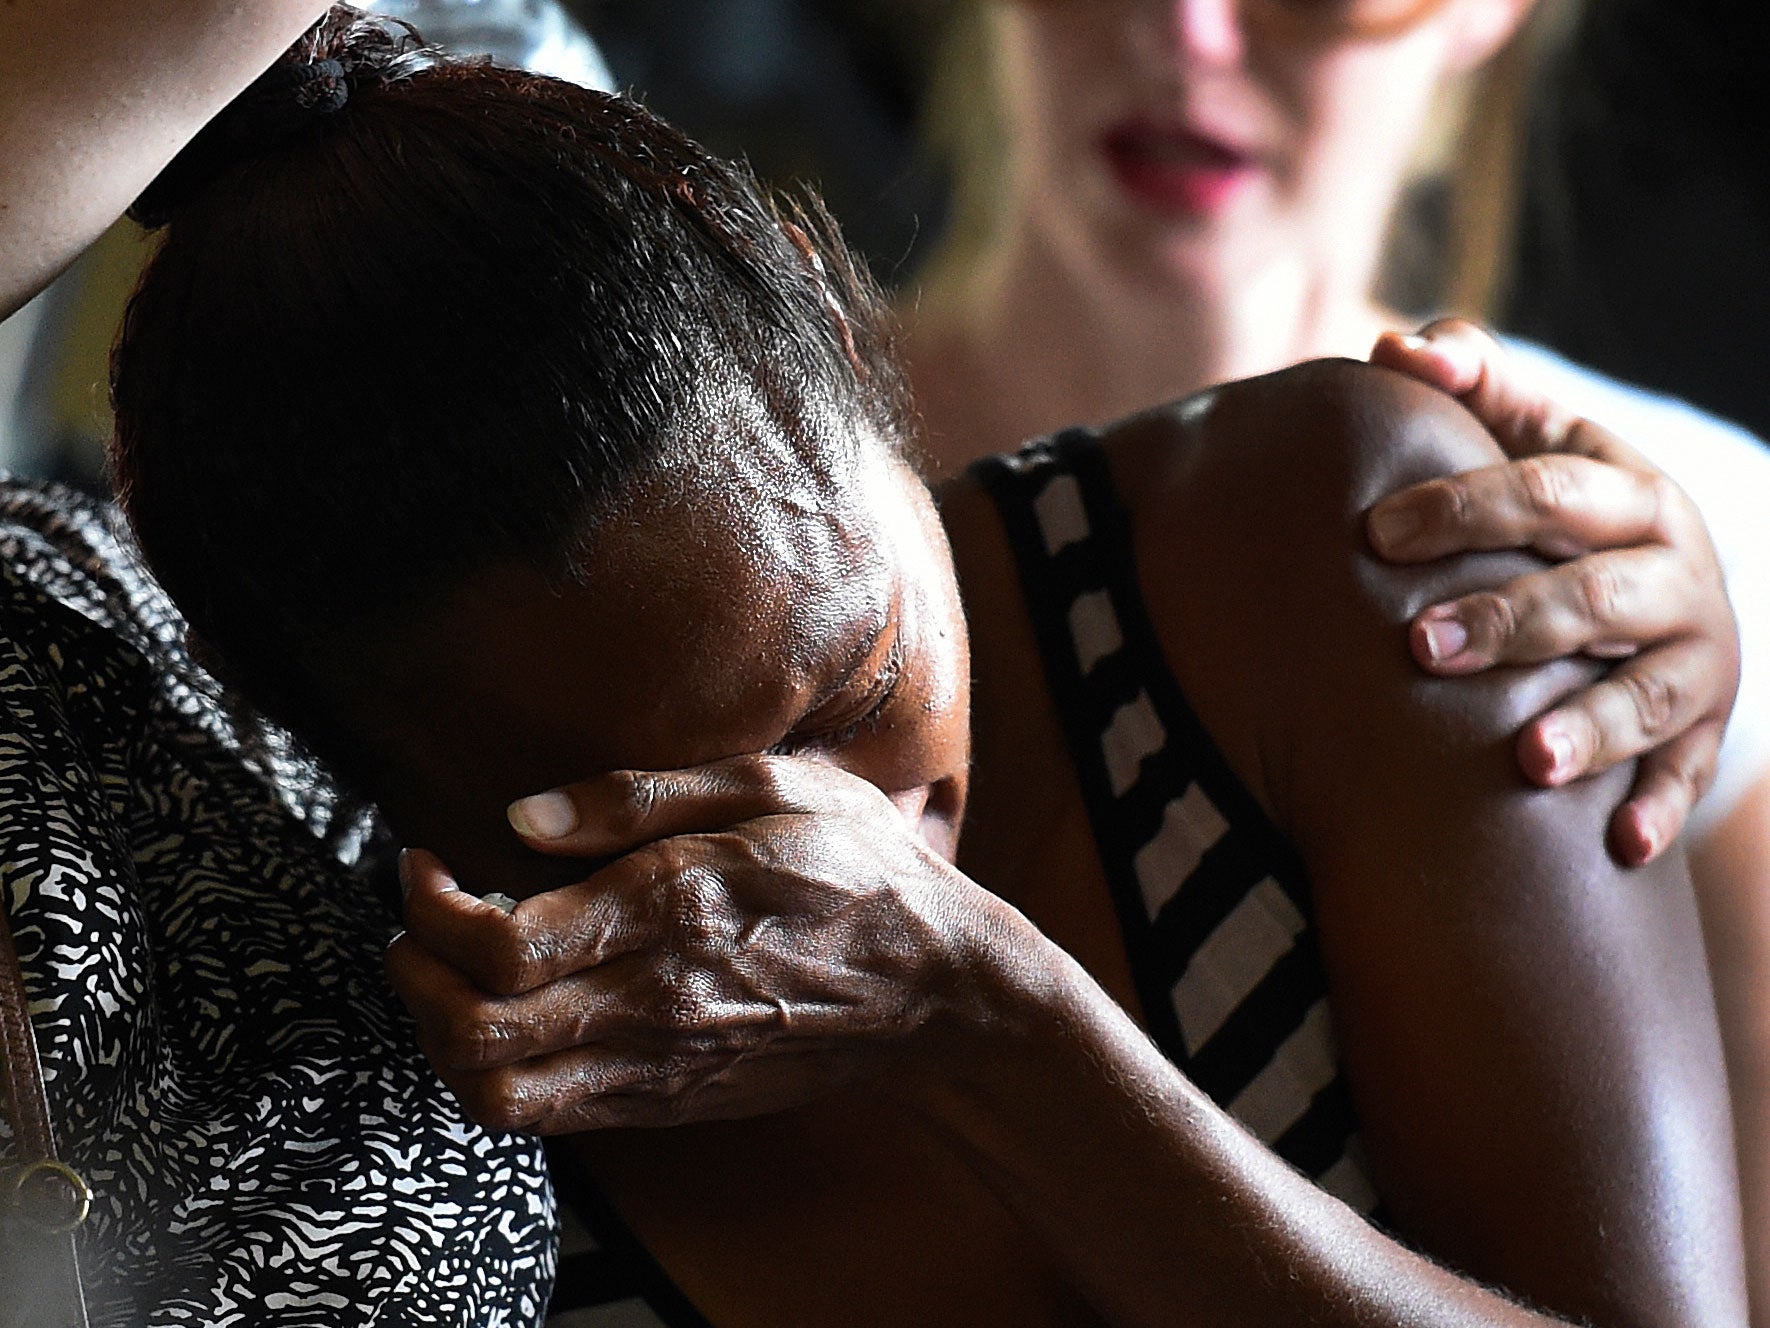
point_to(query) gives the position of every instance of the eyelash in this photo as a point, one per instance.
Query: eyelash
(889, 679)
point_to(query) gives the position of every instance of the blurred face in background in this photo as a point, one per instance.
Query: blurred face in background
(1194, 143)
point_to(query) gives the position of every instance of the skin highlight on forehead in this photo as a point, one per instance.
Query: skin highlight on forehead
(729, 596)
(801, 511)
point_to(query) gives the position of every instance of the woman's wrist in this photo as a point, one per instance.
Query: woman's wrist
(1019, 1013)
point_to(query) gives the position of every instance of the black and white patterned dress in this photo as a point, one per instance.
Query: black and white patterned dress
(226, 1063)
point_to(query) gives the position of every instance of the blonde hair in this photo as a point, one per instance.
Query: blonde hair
(967, 133)
(1474, 148)
(1489, 120)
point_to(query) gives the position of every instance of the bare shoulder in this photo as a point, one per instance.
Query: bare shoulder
(1528, 1030)
(1268, 465)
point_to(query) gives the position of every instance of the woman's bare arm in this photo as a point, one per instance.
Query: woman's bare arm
(96, 96)
(1529, 1029)
(1160, 1208)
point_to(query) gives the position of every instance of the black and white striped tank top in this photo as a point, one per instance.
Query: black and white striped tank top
(1212, 901)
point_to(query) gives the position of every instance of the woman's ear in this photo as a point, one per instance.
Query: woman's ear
(1481, 28)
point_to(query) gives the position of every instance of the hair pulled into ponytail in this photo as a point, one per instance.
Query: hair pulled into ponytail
(347, 54)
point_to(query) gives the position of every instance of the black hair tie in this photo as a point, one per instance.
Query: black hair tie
(287, 102)
(321, 87)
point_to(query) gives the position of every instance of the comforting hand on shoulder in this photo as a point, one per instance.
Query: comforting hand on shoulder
(1641, 583)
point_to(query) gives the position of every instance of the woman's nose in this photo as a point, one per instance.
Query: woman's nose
(1204, 32)
(911, 804)
(932, 811)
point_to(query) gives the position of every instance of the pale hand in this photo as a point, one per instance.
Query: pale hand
(1640, 582)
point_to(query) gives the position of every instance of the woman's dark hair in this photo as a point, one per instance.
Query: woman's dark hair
(412, 317)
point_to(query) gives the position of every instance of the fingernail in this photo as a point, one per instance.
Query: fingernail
(406, 873)
(1560, 747)
(1392, 527)
(499, 901)
(1446, 638)
(1414, 341)
(544, 816)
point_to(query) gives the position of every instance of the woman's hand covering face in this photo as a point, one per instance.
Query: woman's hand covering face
(1641, 584)
(768, 929)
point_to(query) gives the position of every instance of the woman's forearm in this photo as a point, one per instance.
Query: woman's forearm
(1170, 1213)
(96, 96)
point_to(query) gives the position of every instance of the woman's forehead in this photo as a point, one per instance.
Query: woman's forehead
(704, 624)
(768, 537)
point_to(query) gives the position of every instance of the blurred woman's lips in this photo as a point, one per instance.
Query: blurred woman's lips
(1175, 170)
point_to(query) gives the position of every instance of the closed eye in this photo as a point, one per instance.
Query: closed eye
(872, 708)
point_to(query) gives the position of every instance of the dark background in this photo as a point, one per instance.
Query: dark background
(1644, 246)
(825, 91)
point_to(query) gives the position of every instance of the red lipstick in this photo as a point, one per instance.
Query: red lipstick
(1175, 171)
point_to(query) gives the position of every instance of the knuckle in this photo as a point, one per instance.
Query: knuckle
(1693, 763)
(1495, 618)
(476, 1044)
(1700, 775)
(494, 1099)
(673, 1080)
(769, 779)
(1599, 590)
(642, 884)
(1451, 504)
(696, 909)
(1539, 423)
(633, 799)
(683, 1010)
(1586, 743)
(1671, 505)
(518, 962)
(681, 1077)
(639, 887)
(1685, 780)
(656, 863)
(1543, 484)
(1654, 699)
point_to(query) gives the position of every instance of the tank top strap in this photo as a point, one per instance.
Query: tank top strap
(1212, 901)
